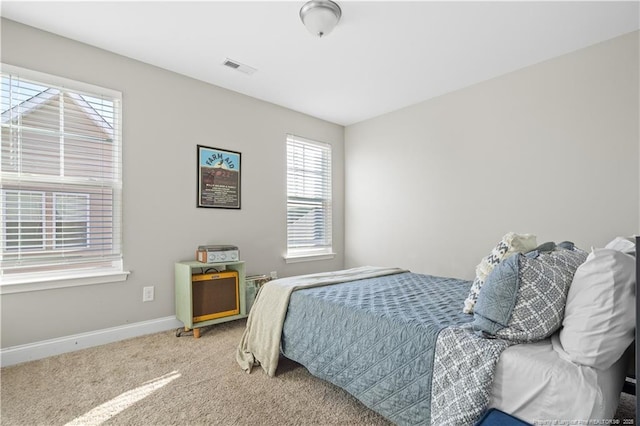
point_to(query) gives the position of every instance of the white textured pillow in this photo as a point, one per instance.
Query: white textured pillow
(622, 244)
(510, 244)
(600, 315)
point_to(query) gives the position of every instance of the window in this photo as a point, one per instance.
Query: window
(72, 218)
(308, 198)
(24, 220)
(60, 178)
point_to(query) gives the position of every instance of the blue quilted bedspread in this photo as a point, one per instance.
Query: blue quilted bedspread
(376, 337)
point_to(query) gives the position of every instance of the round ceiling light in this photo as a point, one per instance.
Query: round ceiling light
(320, 16)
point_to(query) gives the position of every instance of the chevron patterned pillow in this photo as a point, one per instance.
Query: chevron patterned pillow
(510, 244)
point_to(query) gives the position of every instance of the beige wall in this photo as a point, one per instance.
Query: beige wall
(165, 115)
(551, 149)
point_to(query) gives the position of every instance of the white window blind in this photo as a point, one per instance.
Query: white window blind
(308, 197)
(60, 177)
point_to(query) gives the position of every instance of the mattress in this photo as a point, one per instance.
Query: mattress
(534, 383)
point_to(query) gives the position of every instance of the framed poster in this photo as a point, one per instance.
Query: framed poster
(218, 178)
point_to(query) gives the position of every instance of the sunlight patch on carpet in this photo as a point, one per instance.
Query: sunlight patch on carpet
(104, 412)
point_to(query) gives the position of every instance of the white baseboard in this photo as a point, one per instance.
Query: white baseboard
(38, 350)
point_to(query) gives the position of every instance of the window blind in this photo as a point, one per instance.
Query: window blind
(60, 177)
(309, 203)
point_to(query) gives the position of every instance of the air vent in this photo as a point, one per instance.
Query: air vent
(231, 64)
(238, 66)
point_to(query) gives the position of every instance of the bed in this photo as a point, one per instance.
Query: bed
(401, 343)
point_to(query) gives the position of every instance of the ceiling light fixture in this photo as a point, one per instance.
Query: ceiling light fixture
(320, 16)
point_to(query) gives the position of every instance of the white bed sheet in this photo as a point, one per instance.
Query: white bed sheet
(533, 383)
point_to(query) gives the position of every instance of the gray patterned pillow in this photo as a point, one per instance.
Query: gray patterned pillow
(523, 299)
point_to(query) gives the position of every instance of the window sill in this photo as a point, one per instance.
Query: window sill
(62, 281)
(308, 257)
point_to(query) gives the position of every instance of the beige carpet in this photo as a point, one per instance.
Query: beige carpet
(161, 379)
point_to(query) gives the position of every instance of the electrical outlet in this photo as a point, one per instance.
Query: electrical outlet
(274, 275)
(147, 294)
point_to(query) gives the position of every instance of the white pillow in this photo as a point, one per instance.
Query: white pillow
(600, 316)
(622, 244)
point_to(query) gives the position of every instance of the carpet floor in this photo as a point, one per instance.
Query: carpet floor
(161, 379)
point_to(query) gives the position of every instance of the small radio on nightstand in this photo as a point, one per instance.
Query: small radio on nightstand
(217, 253)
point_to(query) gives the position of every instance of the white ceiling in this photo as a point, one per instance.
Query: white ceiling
(382, 56)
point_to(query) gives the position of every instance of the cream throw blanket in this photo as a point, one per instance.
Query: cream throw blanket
(260, 343)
